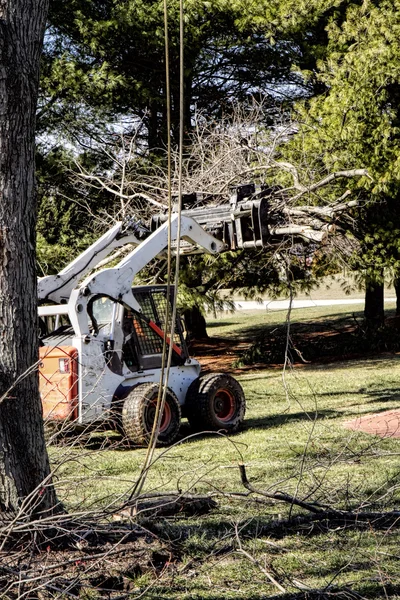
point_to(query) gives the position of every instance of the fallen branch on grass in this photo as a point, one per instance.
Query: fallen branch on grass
(282, 496)
(166, 505)
(322, 513)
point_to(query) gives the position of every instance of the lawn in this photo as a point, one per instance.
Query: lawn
(293, 441)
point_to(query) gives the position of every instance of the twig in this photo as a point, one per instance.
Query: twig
(312, 507)
(268, 575)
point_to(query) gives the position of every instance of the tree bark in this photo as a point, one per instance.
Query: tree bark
(195, 324)
(24, 464)
(374, 311)
(396, 286)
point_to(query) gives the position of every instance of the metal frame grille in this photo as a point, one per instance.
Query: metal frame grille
(153, 301)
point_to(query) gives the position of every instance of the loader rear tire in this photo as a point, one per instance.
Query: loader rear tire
(138, 414)
(215, 401)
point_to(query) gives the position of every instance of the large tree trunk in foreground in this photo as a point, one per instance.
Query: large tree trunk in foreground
(23, 459)
(374, 310)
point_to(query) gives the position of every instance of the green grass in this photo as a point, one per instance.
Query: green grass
(293, 440)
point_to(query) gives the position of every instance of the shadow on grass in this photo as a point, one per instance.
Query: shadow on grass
(373, 395)
(216, 539)
(108, 442)
(283, 419)
(374, 590)
(262, 423)
(388, 397)
(380, 394)
(222, 324)
(96, 440)
(334, 320)
(203, 593)
(112, 441)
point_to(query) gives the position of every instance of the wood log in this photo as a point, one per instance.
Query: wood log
(169, 505)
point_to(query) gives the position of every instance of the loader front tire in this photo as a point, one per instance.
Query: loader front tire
(138, 414)
(215, 401)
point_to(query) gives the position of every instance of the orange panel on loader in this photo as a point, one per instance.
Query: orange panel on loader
(58, 382)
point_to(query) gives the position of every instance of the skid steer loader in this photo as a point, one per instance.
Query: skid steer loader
(102, 336)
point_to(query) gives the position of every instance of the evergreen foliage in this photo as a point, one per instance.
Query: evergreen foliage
(356, 122)
(104, 62)
(110, 56)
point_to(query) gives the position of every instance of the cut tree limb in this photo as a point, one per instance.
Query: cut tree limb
(166, 506)
(320, 512)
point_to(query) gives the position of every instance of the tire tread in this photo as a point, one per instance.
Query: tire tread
(133, 415)
(199, 407)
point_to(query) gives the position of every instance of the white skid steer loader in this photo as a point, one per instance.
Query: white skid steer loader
(102, 336)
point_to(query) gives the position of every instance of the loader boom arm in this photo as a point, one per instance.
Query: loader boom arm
(58, 287)
(117, 282)
(245, 222)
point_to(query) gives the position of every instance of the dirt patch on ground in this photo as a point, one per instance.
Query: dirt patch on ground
(110, 568)
(219, 354)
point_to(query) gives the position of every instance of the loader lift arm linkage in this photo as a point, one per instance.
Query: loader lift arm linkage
(59, 287)
(117, 282)
(244, 222)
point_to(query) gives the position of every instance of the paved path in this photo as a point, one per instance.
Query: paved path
(384, 424)
(300, 303)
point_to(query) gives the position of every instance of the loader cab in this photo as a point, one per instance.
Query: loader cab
(133, 341)
(150, 328)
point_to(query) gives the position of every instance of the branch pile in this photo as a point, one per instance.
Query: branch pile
(304, 202)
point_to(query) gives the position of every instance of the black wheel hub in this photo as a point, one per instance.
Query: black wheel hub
(150, 416)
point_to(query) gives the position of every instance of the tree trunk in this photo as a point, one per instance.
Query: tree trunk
(195, 324)
(397, 290)
(153, 138)
(374, 311)
(24, 463)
